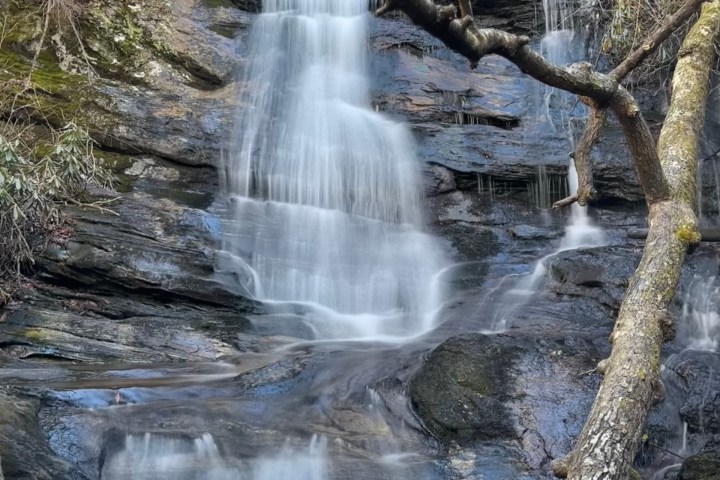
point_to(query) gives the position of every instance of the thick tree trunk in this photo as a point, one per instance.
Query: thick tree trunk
(608, 443)
(610, 438)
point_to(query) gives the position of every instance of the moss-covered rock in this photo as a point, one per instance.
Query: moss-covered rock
(459, 392)
(705, 466)
(142, 77)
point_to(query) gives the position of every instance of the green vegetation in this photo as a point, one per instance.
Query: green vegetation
(46, 155)
(34, 179)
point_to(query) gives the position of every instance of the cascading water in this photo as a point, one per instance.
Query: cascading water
(699, 324)
(698, 329)
(558, 46)
(324, 200)
(311, 464)
(158, 457)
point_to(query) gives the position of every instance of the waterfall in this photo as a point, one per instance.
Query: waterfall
(159, 457)
(699, 323)
(324, 205)
(559, 46)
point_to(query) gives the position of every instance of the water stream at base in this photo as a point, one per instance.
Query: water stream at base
(160, 457)
(324, 218)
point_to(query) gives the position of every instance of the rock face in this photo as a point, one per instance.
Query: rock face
(699, 373)
(20, 434)
(491, 392)
(483, 124)
(154, 78)
(141, 282)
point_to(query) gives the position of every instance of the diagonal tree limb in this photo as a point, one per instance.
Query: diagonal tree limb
(672, 23)
(633, 369)
(579, 79)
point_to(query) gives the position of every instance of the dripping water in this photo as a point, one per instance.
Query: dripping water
(700, 319)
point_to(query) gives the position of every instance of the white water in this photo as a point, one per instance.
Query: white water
(311, 464)
(158, 457)
(324, 208)
(557, 46)
(700, 320)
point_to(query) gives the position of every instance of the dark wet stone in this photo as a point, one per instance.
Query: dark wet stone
(600, 273)
(460, 391)
(490, 390)
(699, 372)
(438, 180)
(705, 466)
(19, 436)
(531, 232)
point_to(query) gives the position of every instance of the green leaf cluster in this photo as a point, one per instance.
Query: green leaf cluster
(34, 182)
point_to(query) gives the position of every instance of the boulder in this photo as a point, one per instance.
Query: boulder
(490, 392)
(699, 372)
(462, 389)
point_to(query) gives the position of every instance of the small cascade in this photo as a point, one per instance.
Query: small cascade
(699, 324)
(161, 457)
(309, 464)
(698, 329)
(324, 217)
(559, 110)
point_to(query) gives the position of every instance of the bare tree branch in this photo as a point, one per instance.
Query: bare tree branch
(610, 438)
(464, 7)
(655, 39)
(580, 79)
(642, 146)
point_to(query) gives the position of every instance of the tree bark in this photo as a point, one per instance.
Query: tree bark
(606, 448)
(610, 438)
(706, 234)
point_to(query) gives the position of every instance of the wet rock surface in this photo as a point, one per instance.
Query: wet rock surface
(705, 466)
(127, 330)
(137, 283)
(20, 435)
(699, 372)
